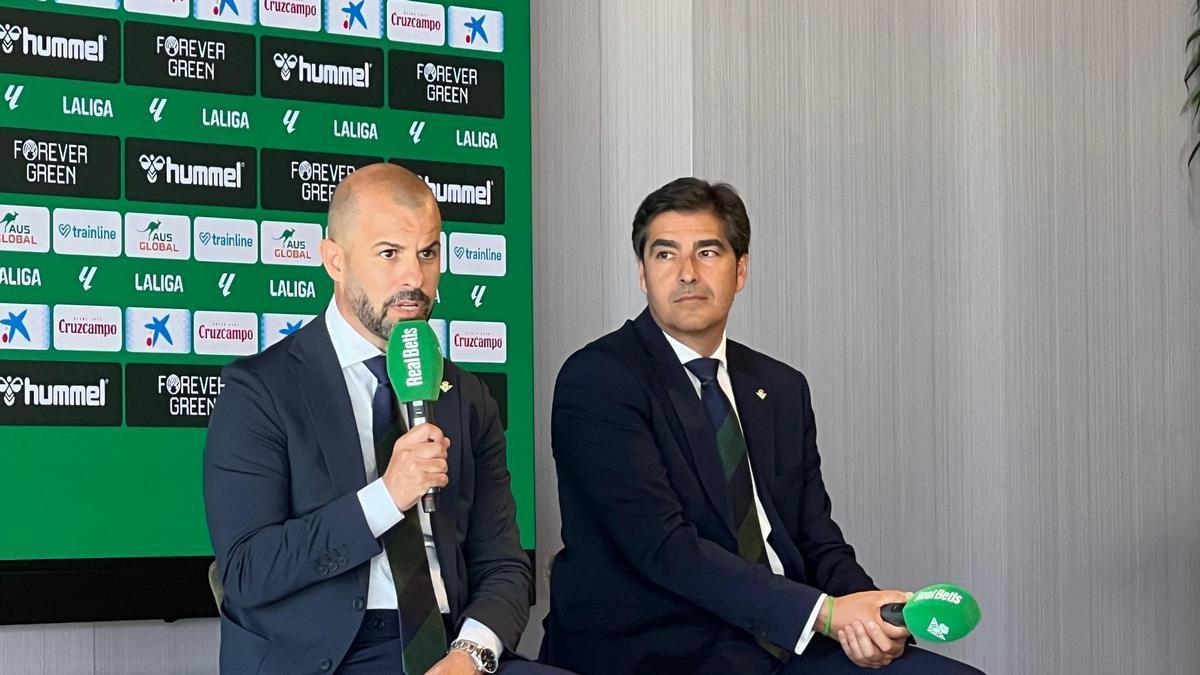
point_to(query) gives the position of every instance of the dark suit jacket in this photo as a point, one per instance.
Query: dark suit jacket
(282, 467)
(649, 578)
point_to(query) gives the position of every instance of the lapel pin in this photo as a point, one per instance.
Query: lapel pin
(446, 386)
(762, 395)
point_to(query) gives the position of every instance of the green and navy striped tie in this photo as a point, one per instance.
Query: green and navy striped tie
(731, 446)
(422, 633)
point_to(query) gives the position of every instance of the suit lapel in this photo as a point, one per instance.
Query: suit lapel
(323, 388)
(448, 416)
(701, 439)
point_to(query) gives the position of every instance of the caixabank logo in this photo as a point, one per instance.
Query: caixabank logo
(60, 393)
(186, 58)
(59, 45)
(469, 193)
(190, 173)
(60, 163)
(304, 181)
(304, 70)
(445, 84)
(158, 395)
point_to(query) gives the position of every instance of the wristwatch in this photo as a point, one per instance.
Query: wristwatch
(485, 659)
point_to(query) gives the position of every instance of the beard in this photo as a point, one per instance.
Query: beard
(376, 320)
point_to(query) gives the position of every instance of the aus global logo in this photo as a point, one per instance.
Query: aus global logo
(286, 243)
(24, 228)
(157, 235)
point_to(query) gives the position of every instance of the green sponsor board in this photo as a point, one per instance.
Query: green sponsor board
(165, 167)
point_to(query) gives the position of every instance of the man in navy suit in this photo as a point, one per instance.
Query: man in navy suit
(696, 526)
(311, 479)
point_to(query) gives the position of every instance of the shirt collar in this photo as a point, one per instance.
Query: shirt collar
(685, 353)
(350, 347)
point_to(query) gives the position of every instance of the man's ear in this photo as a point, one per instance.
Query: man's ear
(642, 274)
(743, 267)
(333, 257)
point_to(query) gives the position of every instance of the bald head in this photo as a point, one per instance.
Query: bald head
(368, 186)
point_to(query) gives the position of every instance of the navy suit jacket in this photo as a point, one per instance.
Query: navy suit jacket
(649, 579)
(282, 467)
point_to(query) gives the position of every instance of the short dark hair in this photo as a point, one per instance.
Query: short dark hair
(688, 195)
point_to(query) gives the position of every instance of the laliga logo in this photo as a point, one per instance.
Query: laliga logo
(10, 386)
(171, 45)
(30, 150)
(152, 164)
(9, 33)
(305, 170)
(286, 63)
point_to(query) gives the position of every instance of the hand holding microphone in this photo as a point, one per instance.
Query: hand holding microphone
(414, 366)
(418, 465)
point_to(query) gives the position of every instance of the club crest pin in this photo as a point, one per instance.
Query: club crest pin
(446, 386)
(762, 395)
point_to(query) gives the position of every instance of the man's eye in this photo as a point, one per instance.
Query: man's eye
(388, 253)
(662, 255)
(429, 254)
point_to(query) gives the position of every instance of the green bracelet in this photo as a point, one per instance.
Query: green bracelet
(828, 621)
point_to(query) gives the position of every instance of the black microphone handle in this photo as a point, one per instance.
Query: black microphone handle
(420, 412)
(893, 613)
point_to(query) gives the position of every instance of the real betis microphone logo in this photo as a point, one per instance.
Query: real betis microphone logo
(412, 357)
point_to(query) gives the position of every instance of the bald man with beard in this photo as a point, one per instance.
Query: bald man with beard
(312, 482)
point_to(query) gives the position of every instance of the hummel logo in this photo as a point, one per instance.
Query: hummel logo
(938, 630)
(289, 120)
(415, 130)
(10, 386)
(156, 109)
(477, 294)
(85, 277)
(286, 63)
(226, 282)
(12, 94)
(152, 164)
(8, 34)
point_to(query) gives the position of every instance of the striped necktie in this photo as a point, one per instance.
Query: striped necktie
(422, 633)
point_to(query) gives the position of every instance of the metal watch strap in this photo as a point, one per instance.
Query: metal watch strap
(485, 659)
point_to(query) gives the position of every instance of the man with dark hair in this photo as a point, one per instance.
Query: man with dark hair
(696, 526)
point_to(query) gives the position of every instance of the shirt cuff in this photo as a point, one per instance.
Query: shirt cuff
(807, 633)
(381, 512)
(481, 635)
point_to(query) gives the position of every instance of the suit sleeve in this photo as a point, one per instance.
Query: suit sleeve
(497, 567)
(264, 555)
(829, 561)
(605, 450)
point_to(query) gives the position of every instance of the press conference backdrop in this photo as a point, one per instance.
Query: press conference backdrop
(165, 167)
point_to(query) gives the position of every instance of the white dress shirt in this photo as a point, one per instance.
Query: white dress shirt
(685, 353)
(380, 511)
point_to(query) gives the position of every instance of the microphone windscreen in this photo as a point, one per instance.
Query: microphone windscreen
(414, 362)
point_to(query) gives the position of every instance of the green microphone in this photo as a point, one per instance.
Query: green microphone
(938, 613)
(414, 366)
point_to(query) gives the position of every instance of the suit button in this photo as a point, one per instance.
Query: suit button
(325, 665)
(341, 561)
(359, 604)
(322, 571)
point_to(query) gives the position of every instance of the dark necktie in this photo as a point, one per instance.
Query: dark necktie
(731, 446)
(422, 632)
(735, 460)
